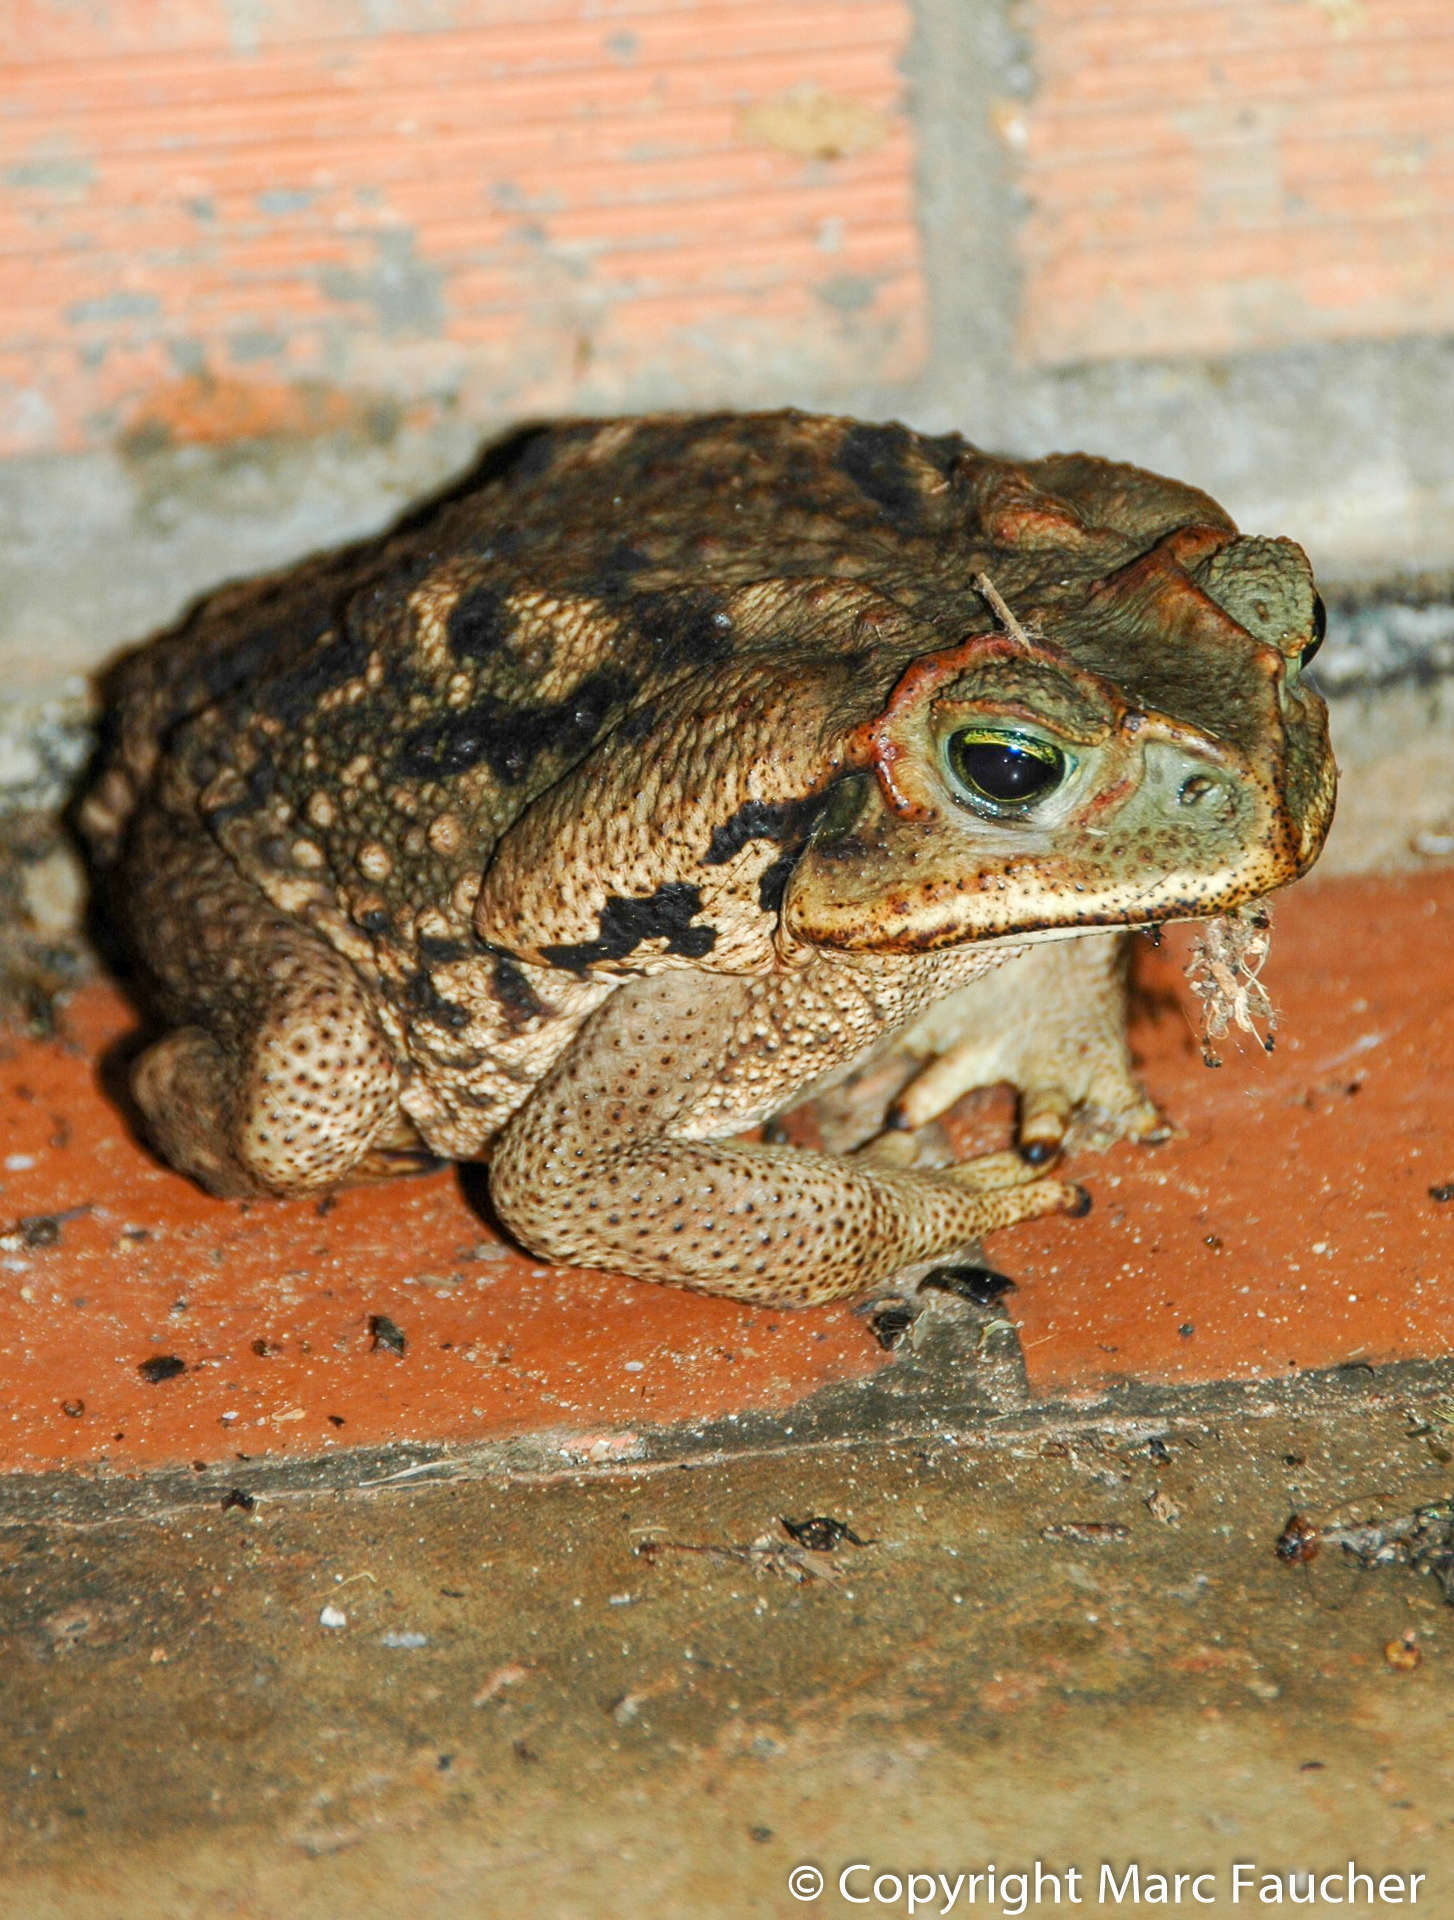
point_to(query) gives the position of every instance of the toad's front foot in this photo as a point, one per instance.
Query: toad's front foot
(1052, 1024)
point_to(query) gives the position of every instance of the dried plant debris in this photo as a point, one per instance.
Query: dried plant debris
(889, 1321)
(1224, 972)
(1161, 1506)
(801, 1558)
(1299, 1540)
(821, 1533)
(1086, 1533)
(34, 1231)
(1434, 1425)
(1422, 1539)
(1404, 1654)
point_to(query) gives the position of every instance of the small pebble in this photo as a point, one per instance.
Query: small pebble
(385, 1336)
(1163, 1508)
(161, 1366)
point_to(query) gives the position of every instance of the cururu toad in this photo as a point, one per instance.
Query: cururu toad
(644, 788)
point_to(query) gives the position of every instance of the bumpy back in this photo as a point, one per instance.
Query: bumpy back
(501, 634)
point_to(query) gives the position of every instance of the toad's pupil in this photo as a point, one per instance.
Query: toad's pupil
(1006, 770)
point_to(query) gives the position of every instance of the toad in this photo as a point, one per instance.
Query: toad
(643, 789)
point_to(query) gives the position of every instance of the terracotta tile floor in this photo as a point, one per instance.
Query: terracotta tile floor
(1290, 1225)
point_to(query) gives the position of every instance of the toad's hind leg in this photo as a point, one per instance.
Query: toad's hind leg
(277, 1078)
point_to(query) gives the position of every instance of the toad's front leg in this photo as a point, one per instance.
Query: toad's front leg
(606, 1165)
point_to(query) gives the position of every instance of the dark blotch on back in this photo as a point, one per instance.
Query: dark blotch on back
(690, 629)
(334, 658)
(878, 460)
(276, 620)
(226, 670)
(509, 739)
(638, 723)
(624, 924)
(342, 627)
(611, 577)
(479, 624)
(530, 452)
(437, 950)
(941, 450)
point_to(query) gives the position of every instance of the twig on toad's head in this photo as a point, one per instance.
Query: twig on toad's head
(990, 593)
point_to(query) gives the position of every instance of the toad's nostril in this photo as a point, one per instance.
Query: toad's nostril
(1210, 795)
(1193, 792)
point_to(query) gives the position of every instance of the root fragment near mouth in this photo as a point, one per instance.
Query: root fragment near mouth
(1224, 972)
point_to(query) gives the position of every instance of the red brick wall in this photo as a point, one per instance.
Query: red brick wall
(222, 219)
(1214, 176)
(1072, 222)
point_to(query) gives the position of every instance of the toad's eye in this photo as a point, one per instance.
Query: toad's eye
(1005, 769)
(1320, 627)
